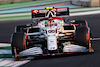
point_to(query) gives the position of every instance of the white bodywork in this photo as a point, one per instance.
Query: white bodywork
(51, 34)
(67, 48)
(31, 51)
(74, 48)
(52, 43)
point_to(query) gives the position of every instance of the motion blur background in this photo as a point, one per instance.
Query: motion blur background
(86, 3)
(14, 1)
(17, 1)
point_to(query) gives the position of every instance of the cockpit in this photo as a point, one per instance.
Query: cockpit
(49, 22)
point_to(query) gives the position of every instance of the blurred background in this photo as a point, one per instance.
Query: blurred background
(92, 3)
(18, 1)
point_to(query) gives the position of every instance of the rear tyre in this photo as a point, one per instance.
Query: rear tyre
(82, 23)
(82, 37)
(21, 28)
(18, 40)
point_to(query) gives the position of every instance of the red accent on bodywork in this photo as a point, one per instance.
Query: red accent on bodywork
(43, 11)
(25, 41)
(89, 34)
(51, 18)
(86, 24)
(44, 19)
(67, 9)
(56, 30)
(34, 55)
(76, 52)
(57, 18)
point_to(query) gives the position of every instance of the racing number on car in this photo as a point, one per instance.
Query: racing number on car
(51, 31)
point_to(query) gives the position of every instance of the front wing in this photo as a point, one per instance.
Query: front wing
(68, 49)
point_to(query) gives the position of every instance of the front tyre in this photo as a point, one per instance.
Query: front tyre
(18, 42)
(82, 36)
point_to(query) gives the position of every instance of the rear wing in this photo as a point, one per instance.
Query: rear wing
(59, 12)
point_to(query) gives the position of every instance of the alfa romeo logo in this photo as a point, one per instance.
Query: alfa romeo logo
(35, 11)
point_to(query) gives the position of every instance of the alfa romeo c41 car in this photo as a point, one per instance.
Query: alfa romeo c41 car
(52, 35)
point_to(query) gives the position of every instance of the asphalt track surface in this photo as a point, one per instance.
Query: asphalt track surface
(75, 60)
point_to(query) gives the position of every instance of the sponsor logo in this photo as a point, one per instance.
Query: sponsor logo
(43, 11)
(52, 41)
(35, 11)
(51, 31)
(62, 10)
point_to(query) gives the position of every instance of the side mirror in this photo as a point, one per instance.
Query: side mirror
(66, 19)
(35, 21)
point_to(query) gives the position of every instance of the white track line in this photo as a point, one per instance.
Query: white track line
(12, 63)
(85, 9)
(5, 62)
(84, 13)
(2, 60)
(19, 63)
(96, 38)
(18, 14)
(4, 44)
(4, 51)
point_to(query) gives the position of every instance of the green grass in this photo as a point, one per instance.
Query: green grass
(16, 17)
(24, 3)
(8, 47)
(5, 55)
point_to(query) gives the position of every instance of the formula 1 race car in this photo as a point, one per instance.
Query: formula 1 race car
(52, 35)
